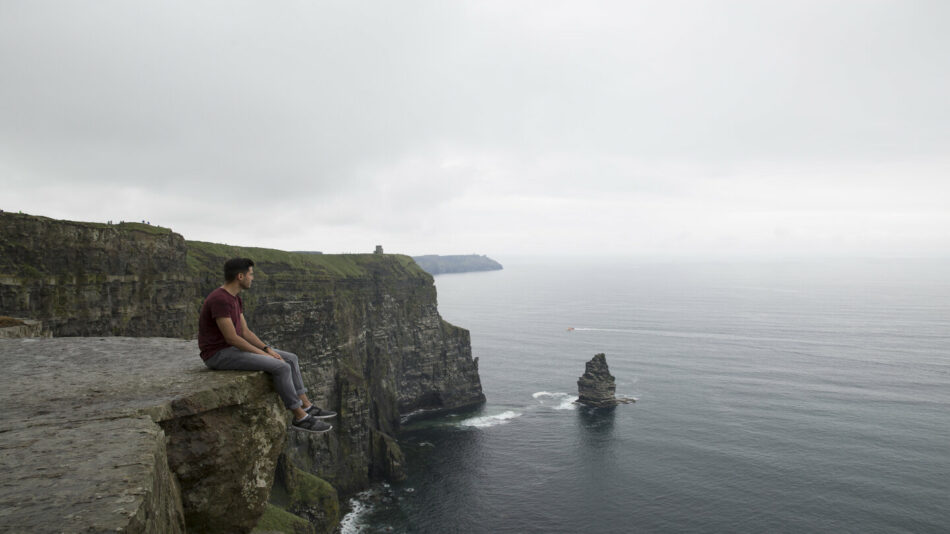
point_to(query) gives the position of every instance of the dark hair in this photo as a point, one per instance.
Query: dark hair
(236, 266)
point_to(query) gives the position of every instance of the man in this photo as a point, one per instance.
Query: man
(227, 343)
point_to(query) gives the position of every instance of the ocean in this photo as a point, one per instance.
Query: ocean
(799, 396)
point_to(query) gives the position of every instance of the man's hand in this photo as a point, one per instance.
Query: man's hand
(270, 352)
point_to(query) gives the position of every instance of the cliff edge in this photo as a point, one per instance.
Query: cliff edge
(366, 327)
(132, 435)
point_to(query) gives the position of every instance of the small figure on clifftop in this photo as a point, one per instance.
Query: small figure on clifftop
(227, 343)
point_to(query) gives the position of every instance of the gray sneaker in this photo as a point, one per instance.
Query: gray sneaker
(311, 424)
(320, 413)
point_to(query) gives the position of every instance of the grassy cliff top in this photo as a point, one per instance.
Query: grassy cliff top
(200, 257)
(203, 255)
(122, 226)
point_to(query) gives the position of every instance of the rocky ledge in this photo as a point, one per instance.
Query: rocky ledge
(132, 435)
(597, 387)
(11, 327)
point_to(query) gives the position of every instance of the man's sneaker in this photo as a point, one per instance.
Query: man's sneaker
(320, 413)
(311, 424)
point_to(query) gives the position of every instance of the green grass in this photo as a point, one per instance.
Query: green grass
(277, 520)
(147, 228)
(203, 255)
(205, 258)
(306, 492)
(125, 226)
(313, 490)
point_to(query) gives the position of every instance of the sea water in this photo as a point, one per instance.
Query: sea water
(809, 396)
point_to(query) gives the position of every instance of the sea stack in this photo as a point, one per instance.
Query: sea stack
(596, 388)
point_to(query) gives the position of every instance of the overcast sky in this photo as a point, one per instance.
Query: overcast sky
(651, 128)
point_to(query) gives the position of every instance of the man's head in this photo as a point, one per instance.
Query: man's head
(240, 269)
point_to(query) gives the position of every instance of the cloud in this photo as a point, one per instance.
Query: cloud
(484, 126)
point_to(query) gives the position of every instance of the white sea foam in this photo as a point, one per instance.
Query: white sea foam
(486, 421)
(352, 523)
(558, 401)
(567, 403)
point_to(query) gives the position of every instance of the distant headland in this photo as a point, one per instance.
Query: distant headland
(435, 264)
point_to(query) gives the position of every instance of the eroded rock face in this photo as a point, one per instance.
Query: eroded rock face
(372, 349)
(85, 279)
(306, 496)
(597, 387)
(366, 327)
(25, 328)
(223, 452)
(132, 435)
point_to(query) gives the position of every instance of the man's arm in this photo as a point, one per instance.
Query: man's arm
(230, 335)
(252, 338)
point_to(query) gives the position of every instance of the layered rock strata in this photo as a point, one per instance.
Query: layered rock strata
(19, 328)
(132, 435)
(597, 387)
(88, 279)
(372, 345)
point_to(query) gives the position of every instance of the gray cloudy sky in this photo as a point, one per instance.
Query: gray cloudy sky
(657, 128)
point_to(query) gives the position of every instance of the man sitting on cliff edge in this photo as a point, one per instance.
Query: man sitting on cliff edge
(227, 343)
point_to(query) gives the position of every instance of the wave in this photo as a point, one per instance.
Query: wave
(352, 523)
(486, 421)
(565, 401)
(364, 504)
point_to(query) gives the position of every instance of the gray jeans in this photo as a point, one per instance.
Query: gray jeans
(287, 380)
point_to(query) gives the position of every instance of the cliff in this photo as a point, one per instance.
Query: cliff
(132, 435)
(366, 326)
(87, 279)
(435, 264)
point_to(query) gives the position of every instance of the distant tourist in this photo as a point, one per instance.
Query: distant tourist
(227, 343)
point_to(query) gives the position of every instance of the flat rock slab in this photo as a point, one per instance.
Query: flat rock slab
(80, 449)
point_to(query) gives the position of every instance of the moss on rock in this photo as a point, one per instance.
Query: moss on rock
(10, 321)
(306, 496)
(366, 327)
(277, 520)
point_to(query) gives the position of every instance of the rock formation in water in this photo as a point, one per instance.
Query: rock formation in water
(371, 342)
(435, 264)
(597, 387)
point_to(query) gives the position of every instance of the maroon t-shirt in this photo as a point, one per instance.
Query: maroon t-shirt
(219, 303)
